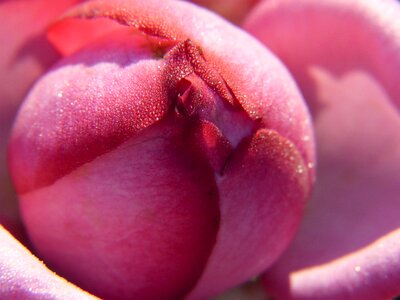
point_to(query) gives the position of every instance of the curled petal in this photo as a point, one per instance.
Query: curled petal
(263, 181)
(23, 276)
(371, 272)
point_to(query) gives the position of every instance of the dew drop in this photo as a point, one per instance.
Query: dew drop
(300, 169)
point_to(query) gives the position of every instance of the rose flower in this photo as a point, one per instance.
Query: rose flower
(168, 154)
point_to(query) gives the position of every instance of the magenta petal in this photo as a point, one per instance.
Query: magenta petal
(23, 276)
(345, 56)
(369, 273)
(136, 223)
(92, 101)
(259, 197)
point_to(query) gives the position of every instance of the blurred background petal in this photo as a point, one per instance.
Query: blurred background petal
(345, 56)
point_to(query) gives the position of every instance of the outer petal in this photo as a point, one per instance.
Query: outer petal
(24, 55)
(23, 276)
(345, 56)
(263, 181)
(140, 222)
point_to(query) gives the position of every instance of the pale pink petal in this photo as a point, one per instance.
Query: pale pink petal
(23, 276)
(24, 55)
(345, 56)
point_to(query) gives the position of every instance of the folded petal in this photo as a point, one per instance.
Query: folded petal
(345, 56)
(259, 198)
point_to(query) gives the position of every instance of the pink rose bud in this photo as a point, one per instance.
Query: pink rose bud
(170, 155)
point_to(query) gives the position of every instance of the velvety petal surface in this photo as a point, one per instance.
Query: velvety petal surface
(23, 276)
(93, 138)
(264, 180)
(24, 55)
(345, 56)
(140, 222)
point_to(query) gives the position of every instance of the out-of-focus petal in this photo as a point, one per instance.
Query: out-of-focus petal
(233, 10)
(345, 56)
(23, 276)
(24, 55)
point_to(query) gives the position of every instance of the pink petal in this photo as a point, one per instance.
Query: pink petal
(233, 10)
(138, 222)
(89, 117)
(23, 276)
(345, 57)
(24, 55)
(264, 180)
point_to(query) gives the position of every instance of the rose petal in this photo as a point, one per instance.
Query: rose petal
(24, 55)
(140, 223)
(259, 197)
(345, 56)
(233, 10)
(23, 276)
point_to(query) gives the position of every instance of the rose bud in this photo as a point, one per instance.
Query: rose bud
(168, 155)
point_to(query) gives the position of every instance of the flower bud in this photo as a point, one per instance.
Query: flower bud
(169, 157)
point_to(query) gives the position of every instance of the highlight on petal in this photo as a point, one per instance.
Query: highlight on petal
(345, 56)
(24, 55)
(130, 154)
(23, 276)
